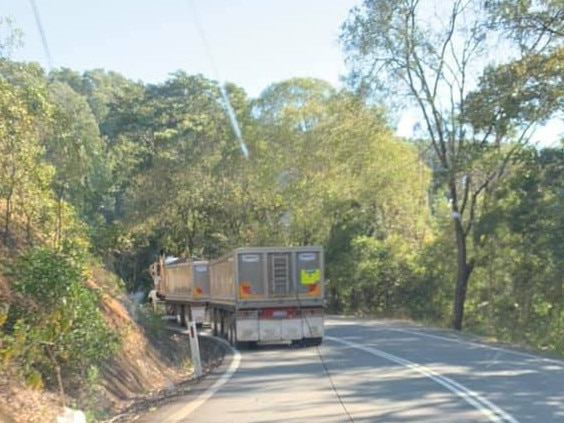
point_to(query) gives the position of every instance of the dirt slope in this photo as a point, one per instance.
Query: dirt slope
(148, 367)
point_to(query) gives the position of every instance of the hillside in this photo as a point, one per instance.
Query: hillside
(149, 364)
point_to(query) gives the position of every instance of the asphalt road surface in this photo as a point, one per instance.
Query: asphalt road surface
(376, 371)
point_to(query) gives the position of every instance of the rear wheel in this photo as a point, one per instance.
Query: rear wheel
(297, 343)
(313, 342)
(183, 316)
(214, 322)
(231, 335)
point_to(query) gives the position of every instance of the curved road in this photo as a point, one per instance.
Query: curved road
(376, 371)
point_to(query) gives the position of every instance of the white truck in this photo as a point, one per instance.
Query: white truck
(268, 295)
(184, 286)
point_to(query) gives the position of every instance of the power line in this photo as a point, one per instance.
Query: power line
(237, 131)
(230, 112)
(41, 33)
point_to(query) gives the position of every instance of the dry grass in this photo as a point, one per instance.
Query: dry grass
(21, 404)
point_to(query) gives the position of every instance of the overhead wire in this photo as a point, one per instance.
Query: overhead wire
(236, 129)
(244, 149)
(42, 34)
(230, 112)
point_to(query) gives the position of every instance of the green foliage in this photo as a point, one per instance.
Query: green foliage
(397, 47)
(152, 322)
(57, 325)
(533, 25)
(125, 168)
(10, 37)
(519, 296)
(24, 178)
(525, 91)
(76, 151)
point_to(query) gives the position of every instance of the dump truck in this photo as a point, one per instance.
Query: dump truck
(184, 287)
(268, 295)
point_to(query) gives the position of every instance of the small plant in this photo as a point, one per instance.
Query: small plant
(153, 324)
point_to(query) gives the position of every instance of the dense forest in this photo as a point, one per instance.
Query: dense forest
(460, 225)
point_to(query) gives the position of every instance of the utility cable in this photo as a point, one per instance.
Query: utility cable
(237, 131)
(42, 33)
(230, 112)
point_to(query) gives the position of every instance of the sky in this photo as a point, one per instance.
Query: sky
(252, 43)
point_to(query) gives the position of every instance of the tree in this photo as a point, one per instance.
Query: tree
(523, 261)
(434, 59)
(182, 171)
(75, 149)
(23, 112)
(536, 26)
(345, 181)
(528, 89)
(10, 37)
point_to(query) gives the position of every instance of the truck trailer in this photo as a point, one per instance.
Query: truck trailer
(184, 286)
(268, 295)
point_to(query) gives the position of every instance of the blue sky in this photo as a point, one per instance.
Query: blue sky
(253, 42)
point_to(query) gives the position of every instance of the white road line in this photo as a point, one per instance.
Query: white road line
(475, 344)
(203, 397)
(490, 410)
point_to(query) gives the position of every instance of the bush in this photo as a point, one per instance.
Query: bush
(54, 327)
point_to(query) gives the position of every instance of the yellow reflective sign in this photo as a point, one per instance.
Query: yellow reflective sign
(310, 276)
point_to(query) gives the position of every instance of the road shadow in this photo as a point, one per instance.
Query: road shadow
(528, 387)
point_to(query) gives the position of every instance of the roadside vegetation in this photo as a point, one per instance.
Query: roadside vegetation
(460, 225)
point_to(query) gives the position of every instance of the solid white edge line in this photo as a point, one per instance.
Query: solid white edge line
(493, 412)
(204, 396)
(476, 344)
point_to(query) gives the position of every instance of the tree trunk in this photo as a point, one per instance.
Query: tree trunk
(8, 216)
(58, 232)
(57, 369)
(464, 269)
(59, 229)
(491, 279)
(7, 220)
(28, 231)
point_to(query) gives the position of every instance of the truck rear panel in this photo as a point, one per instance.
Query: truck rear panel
(261, 275)
(273, 293)
(186, 282)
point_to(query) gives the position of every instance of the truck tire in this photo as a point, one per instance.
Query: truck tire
(313, 342)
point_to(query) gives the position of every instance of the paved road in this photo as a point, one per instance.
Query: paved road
(374, 371)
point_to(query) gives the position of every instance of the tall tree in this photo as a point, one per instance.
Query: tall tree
(25, 113)
(433, 52)
(535, 25)
(524, 258)
(529, 87)
(75, 149)
(10, 37)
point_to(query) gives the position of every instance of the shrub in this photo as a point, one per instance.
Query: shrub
(55, 329)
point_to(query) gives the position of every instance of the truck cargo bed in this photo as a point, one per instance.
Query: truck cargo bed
(268, 276)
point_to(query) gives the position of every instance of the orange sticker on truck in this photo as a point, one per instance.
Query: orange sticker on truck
(245, 289)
